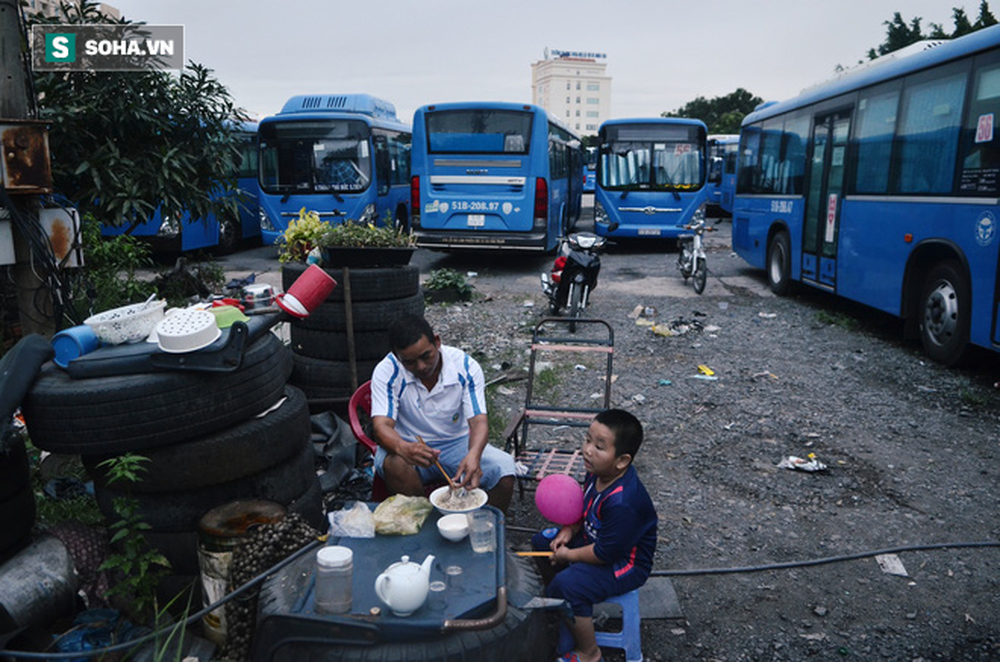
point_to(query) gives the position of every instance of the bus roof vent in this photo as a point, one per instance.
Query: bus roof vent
(894, 56)
(364, 104)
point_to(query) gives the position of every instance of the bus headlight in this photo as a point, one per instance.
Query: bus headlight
(600, 216)
(266, 223)
(369, 215)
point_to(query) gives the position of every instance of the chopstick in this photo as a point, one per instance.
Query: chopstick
(451, 483)
(534, 553)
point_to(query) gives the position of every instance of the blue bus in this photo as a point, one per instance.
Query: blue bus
(723, 150)
(346, 157)
(493, 175)
(650, 176)
(181, 232)
(882, 187)
(590, 173)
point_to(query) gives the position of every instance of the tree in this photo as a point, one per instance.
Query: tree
(720, 114)
(124, 143)
(900, 34)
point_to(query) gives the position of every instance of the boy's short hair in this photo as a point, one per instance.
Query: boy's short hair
(408, 329)
(626, 428)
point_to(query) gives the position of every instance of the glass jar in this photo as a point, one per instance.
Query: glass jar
(334, 570)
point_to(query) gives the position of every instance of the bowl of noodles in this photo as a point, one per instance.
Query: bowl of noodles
(449, 501)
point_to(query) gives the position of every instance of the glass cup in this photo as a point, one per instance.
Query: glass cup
(436, 596)
(453, 577)
(482, 531)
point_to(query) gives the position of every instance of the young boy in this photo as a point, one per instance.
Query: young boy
(610, 551)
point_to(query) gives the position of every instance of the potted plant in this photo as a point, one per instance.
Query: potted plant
(347, 244)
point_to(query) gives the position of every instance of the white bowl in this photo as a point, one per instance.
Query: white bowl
(186, 331)
(454, 527)
(441, 493)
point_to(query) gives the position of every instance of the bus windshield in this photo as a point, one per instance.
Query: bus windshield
(651, 157)
(591, 158)
(315, 156)
(479, 130)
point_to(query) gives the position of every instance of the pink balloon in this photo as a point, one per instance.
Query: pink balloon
(560, 499)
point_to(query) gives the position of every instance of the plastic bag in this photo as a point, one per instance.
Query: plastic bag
(354, 522)
(401, 515)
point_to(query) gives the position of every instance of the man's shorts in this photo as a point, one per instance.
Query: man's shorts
(495, 463)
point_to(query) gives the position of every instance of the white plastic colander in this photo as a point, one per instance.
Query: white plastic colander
(186, 331)
(128, 323)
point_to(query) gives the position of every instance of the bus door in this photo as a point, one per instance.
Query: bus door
(825, 189)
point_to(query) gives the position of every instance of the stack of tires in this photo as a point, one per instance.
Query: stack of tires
(204, 434)
(322, 363)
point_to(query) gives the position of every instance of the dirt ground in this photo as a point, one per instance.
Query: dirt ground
(912, 453)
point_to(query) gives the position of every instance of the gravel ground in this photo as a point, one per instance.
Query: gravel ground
(911, 450)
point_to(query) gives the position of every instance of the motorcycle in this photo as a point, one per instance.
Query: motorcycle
(691, 259)
(574, 274)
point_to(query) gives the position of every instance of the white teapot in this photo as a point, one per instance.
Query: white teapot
(403, 586)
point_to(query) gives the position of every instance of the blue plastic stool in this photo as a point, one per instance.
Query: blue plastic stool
(628, 639)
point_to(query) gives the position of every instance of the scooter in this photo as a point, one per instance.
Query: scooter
(691, 260)
(574, 274)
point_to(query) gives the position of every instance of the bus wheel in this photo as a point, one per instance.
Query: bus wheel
(944, 314)
(779, 264)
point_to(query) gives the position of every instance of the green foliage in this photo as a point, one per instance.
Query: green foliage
(137, 567)
(301, 236)
(122, 143)
(449, 279)
(900, 33)
(81, 509)
(352, 234)
(308, 232)
(720, 114)
(110, 265)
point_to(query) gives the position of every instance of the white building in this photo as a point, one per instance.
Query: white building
(573, 86)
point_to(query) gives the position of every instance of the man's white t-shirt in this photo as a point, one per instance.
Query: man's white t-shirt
(439, 415)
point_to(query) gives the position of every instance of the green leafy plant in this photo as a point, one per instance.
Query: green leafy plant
(308, 232)
(138, 566)
(448, 282)
(110, 268)
(354, 234)
(301, 236)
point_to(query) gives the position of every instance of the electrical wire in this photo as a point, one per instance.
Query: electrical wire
(822, 561)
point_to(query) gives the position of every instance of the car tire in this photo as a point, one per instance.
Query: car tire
(245, 449)
(332, 345)
(331, 316)
(945, 305)
(115, 415)
(779, 264)
(181, 510)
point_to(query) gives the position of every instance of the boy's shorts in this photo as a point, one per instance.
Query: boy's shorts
(495, 463)
(582, 585)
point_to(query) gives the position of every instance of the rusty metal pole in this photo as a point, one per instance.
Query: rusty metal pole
(34, 301)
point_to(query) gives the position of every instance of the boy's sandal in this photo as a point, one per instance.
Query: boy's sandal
(571, 657)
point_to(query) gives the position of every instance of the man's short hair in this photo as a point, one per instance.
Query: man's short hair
(407, 330)
(626, 428)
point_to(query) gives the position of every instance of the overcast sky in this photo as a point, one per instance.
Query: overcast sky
(661, 53)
